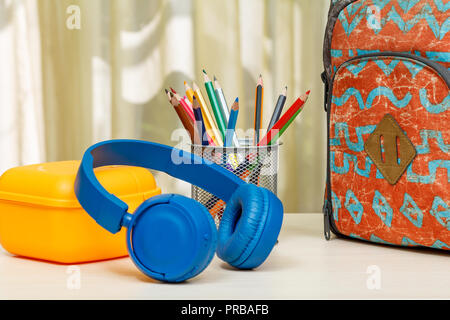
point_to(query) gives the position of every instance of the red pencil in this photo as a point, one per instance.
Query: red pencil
(186, 107)
(284, 120)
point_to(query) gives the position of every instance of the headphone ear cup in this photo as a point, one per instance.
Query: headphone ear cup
(249, 227)
(172, 238)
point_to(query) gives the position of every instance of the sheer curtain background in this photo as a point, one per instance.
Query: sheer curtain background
(64, 89)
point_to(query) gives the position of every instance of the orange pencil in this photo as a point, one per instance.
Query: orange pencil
(216, 208)
(189, 92)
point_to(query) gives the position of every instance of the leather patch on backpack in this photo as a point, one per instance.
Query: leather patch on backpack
(390, 149)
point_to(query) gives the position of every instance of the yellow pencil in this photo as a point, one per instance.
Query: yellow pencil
(210, 125)
(189, 92)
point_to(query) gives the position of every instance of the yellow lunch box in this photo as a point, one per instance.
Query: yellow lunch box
(40, 216)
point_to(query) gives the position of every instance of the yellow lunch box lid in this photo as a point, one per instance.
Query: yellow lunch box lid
(52, 184)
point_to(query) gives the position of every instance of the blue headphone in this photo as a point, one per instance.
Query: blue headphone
(171, 237)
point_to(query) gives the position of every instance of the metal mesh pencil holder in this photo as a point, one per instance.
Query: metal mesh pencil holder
(253, 164)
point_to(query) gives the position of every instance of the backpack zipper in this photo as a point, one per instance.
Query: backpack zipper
(440, 69)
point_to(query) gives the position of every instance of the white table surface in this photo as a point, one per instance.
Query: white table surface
(302, 266)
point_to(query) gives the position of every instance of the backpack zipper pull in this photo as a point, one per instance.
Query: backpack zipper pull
(326, 220)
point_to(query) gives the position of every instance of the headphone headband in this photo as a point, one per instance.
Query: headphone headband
(108, 210)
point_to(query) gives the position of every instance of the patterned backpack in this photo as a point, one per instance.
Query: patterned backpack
(387, 80)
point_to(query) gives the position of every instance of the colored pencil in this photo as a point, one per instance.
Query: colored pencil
(214, 105)
(184, 104)
(284, 122)
(169, 96)
(283, 129)
(222, 101)
(278, 109)
(185, 120)
(224, 108)
(217, 208)
(255, 174)
(188, 103)
(232, 123)
(259, 96)
(199, 121)
(210, 125)
(189, 92)
(184, 117)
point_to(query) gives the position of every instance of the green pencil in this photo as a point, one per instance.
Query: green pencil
(215, 105)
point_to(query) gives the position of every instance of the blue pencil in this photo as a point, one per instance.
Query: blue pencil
(232, 123)
(199, 121)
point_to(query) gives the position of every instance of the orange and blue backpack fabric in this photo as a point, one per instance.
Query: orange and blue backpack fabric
(387, 80)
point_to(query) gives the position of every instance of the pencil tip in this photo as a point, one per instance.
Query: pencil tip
(308, 92)
(215, 79)
(235, 105)
(167, 91)
(194, 98)
(204, 71)
(260, 81)
(171, 89)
